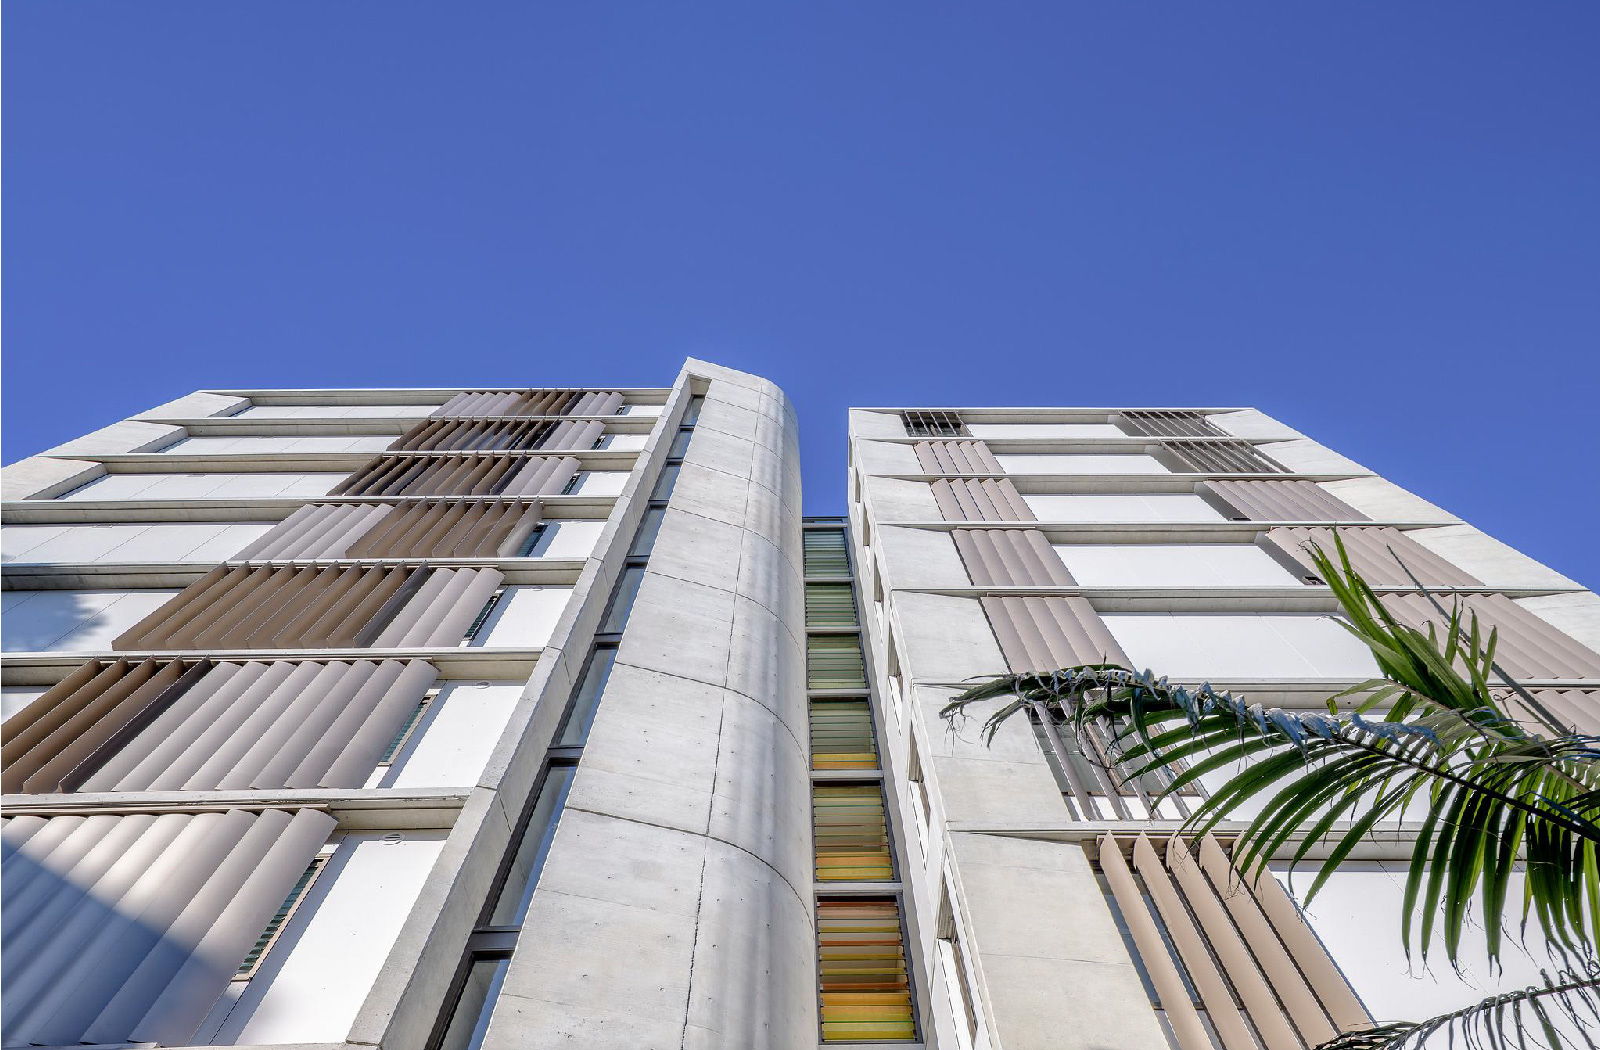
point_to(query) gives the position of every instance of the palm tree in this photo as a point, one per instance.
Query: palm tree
(1499, 783)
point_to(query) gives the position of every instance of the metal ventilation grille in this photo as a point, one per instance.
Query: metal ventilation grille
(833, 661)
(1283, 501)
(531, 403)
(177, 726)
(957, 457)
(831, 605)
(424, 529)
(497, 435)
(460, 475)
(1225, 952)
(1011, 558)
(866, 986)
(306, 607)
(825, 552)
(1179, 423)
(852, 833)
(1376, 552)
(1047, 634)
(179, 899)
(841, 735)
(933, 423)
(1221, 457)
(996, 500)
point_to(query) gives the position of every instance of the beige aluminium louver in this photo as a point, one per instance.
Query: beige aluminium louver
(991, 500)
(1167, 423)
(956, 457)
(431, 528)
(531, 403)
(129, 927)
(462, 474)
(1376, 552)
(1011, 558)
(1283, 501)
(1529, 648)
(1047, 634)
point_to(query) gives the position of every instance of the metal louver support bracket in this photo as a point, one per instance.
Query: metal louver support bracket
(1373, 551)
(1220, 457)
(1011, 558)
(993, 500)
(508, 474)
(128, 928)
(1283, 501)
(957, 457)
(1167, 423)
(1047, 634)
(1527, 647)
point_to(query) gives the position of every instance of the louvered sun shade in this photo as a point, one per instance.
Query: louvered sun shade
(1373, 551)
(417, 474)
(833, 661)
(841, 735)
(1284, 501)
(531, 403)
(1221, 457)
(424, 529)
(1528, 648)
(1254, 964)
(852, 833)
(1576, 709)
(500, 435)
(1011, 558)
(307, 607)
(825, 552)
(830, 605)
(1179, 423)
(1047, 634)
(866, 986)
(127, 928)
(198, 726)
(957, 457)
(991, 500)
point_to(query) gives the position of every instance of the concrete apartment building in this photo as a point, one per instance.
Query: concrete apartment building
(447, 719)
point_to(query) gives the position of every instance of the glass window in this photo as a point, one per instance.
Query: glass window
(511, 907)
(622, 600)
(581, 716)
(470, 1019)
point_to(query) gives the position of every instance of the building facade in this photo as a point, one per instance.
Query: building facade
(448, 719)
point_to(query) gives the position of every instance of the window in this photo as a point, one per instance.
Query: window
(923, 809)
(852, 833)
(957, 980)
(833, 661)
(622, 600)
(841, 735)
(830, 605)
(286, 910)
(580, 716)
(866, 986)
(825, 552)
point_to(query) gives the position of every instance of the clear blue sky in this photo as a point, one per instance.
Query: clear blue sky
(1379, 222)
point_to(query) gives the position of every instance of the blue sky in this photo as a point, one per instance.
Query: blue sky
(1379, 222)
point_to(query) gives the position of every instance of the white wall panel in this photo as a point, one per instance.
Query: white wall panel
(1357, 914)
(640, 410)
(568, 539)
(163, 542)
(600, 483)
(315, 978)
(205, 486)
(1240, 645)
(1136, 464)
(14, 698)
(71, 621)
(1174, 565)
(451, 745)
(333, 411)
(524, 618)
(1043, 430)
(624, 442)
(258, 445)
(1155, 507)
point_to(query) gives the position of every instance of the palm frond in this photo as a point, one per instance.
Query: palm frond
(1560, 1014)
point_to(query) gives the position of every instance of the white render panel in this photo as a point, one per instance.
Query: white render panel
(1174, 565)
(261, 445)
(72, 621)
(1154, 507)
(1086, 464)
(600, 483)
(1485, 557)
(451, 744)
(624, 442)
(524, 618)
(1000, 431)
(163, 542)
(333, 411)
(640, 410)
(1308, 457)
(1253, 423)
(314, 979)
(574, 538)
(1240, 645)
(205, 486)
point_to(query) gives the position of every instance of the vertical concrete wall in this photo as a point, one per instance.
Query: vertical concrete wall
(673, 910)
